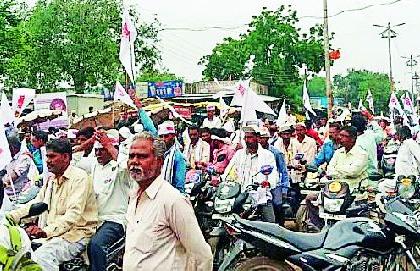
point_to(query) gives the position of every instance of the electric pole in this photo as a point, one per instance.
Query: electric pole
(327, 62)
(389, 34)
(411, 62)
(415, 78)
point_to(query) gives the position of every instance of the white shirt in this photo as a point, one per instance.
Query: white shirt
(6, 207)
(408, 159)
(163, 233)
(215, 123)
(244, 167)
(83, 162)
(111, 185)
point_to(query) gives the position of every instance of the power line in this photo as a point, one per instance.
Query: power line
(227, 28)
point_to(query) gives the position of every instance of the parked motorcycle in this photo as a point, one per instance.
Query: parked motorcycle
(230, 200)
(353, 244)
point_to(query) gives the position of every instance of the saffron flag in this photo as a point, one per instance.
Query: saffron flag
(335, 54)
(128, 37)
(121, 95)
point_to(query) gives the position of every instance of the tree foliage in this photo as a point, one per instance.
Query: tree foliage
(280, 49)
(355, 85)
(76, 41)
(157, 76)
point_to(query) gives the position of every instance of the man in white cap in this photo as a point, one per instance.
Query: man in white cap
(212, 121)
(174, 167)
(111, 186)
(245, 168)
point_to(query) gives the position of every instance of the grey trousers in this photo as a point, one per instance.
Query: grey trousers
(57, 251)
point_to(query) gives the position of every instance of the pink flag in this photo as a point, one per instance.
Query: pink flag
(128, 37)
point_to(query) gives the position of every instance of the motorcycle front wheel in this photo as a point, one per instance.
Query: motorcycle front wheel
(262, 264)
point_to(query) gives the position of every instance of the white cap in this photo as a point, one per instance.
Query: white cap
(211, 108)
(112, 135)
(138, 128)
(125, 132)
(263, 132)
(167, 127)
(225, 140)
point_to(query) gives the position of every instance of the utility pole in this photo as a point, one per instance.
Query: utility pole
(327, 62)
(389, 34)
(415, 78)
(411, 62)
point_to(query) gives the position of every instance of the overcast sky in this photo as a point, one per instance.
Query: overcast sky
(360, 43)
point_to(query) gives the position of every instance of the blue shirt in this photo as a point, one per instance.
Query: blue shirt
(180, 165)
(325, 154)
(281, 167)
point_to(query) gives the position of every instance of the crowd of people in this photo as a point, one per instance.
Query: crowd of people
(105, 185)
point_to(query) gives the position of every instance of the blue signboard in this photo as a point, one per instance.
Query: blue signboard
(167, 89)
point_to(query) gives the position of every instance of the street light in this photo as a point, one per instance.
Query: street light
(389, 34)
(411, 62)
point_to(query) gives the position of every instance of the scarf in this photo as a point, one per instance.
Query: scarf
(168, 164)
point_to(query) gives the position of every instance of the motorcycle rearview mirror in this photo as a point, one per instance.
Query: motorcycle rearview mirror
(266, 170)
(37, 209)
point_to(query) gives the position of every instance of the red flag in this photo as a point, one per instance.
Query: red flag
(335, 54)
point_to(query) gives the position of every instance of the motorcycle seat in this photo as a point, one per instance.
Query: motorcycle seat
(301, 240)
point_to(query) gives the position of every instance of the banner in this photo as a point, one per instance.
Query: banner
(21, 99)
(53, 101)
(164, 90)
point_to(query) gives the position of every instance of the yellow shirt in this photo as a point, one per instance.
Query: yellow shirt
(72, 213)
(349, 167)
(163, 233)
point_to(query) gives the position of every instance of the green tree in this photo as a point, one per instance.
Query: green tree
(316, 86)
(77, 41)
(280, 48)
(355, 85)
(11, 14)
(157, 76)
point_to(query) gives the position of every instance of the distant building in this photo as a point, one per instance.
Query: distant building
(212, 87)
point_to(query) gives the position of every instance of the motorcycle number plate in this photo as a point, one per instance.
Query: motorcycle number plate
(220, 216)
(332, 216)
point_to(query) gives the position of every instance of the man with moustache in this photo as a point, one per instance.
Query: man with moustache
(111, 186)
(72, 216)
(162, 230)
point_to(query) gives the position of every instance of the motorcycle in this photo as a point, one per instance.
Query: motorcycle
(353, 244)
(114, 256)
(230, 200)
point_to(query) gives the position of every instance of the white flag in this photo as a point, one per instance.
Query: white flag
(121, 95)
(407, 103)
(6, 110)
(128, 37)
(369, 99)
(305, 98)
(5, 156)
(21, 99)
(395, 104)
(282, 119)
(361, 106)
(248, 113)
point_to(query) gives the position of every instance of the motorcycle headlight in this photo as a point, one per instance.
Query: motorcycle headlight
(406, 188)
(332, 205)
(223, 205)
